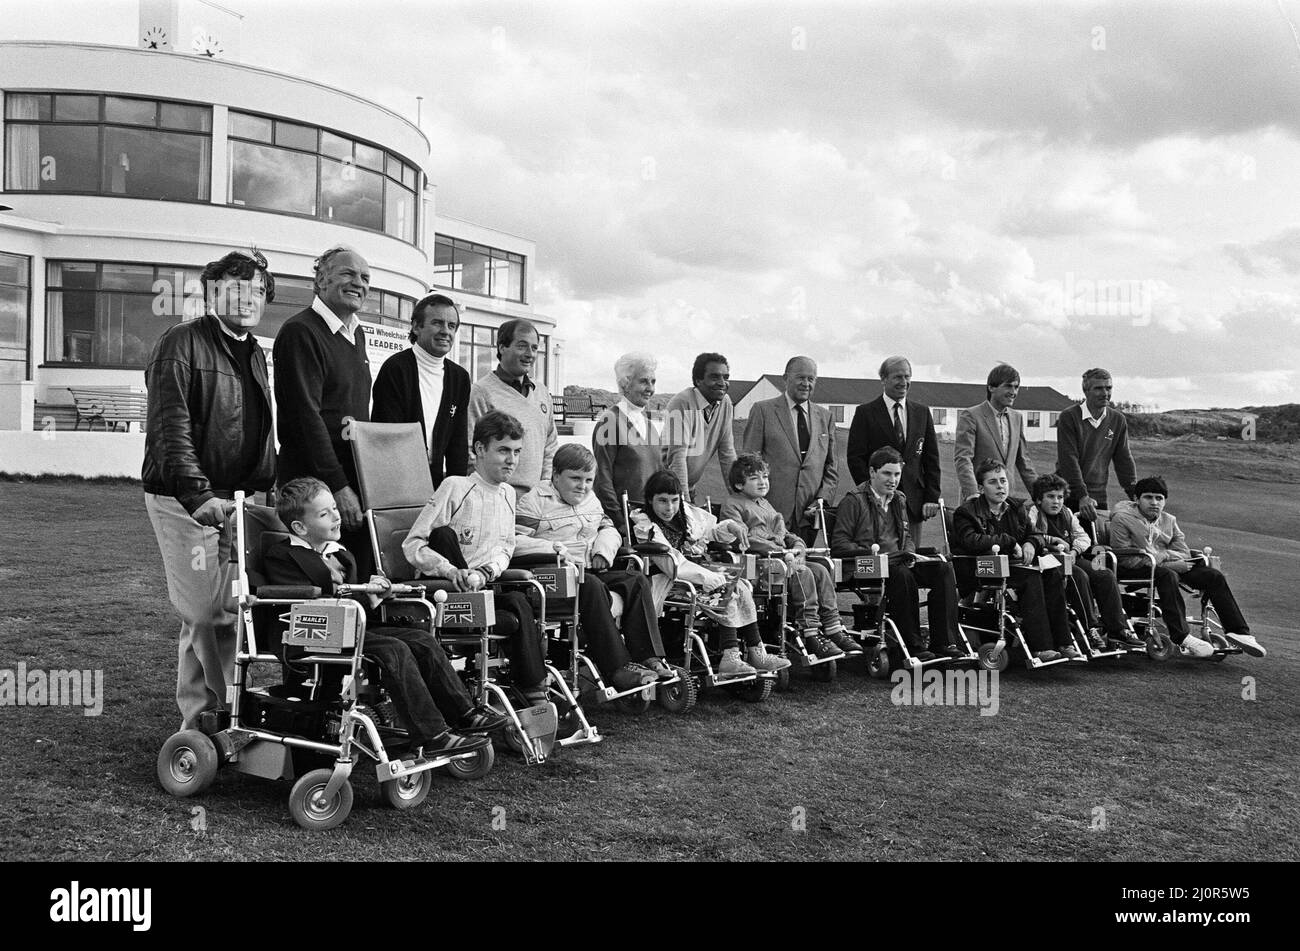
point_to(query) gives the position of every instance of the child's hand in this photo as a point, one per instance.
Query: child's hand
(598, 563)
(383, 583)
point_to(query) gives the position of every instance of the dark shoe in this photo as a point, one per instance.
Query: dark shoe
(632, 676)
(924, 656)
(1129, 639)
(953, 651)
(845, 643)
(448, 743)
(1070, 651)
(819, 646)
(481, 720)
(660, 668)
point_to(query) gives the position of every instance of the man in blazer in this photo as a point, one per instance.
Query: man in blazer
(992, 430)
(421, 385)
(796, 437)
(908, 426)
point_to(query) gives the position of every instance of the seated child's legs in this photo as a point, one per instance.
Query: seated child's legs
(599, 632)
(941, 601)
(410, 694)
(1080, 597)
(1172, 606)
(435, 669)
(640, 621)
(524, 644)
(828, 605)
(1032, 608)
(1058, 617)
(903, 603)
(803, 598)
(1214, 584)
(1105, 591)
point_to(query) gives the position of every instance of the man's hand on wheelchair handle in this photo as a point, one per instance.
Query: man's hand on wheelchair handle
(349, 506)
(214, 512)
(929, 510)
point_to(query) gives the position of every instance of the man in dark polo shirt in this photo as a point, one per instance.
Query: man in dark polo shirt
(322, 381)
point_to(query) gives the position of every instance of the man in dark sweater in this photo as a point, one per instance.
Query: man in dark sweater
(322, 381)
(1087, 443)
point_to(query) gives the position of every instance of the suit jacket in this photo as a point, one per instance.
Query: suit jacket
(873, 428)
(795, 481)
(396, 396)
(978, 439)
(288, 564)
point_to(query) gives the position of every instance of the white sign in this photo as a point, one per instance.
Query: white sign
(381, 343)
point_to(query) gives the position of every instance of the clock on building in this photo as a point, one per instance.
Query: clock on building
(155, 38)
(205, 44)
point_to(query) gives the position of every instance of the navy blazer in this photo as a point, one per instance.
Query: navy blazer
(873, 428)
(396, 396)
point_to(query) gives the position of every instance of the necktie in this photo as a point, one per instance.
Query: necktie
(1004, 430)
(805, 437)
(899, 436)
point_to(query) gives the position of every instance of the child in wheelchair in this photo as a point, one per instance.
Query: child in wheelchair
(1058, 531)
(424, 687)
(687, 531)
(466, 535)
(566, 512)
(812, 590)
(995, 518)
(1143, 533)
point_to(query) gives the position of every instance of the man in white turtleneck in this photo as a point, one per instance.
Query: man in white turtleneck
(422, 385)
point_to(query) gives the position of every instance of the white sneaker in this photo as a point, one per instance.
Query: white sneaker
(760, 659)
(1193, 646)
(1247, 643)
(732, 666)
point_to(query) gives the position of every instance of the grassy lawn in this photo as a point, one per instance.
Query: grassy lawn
(1182, 765)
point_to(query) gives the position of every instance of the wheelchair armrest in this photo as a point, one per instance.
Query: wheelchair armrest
(433, 584)
(514, 576)
(929, 551)
(651, 548)
(288, 592)
(719, 548)
(535, 560)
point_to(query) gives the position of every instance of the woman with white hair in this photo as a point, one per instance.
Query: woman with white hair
(627, 443)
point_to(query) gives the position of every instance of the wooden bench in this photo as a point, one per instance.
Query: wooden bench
(582, 407)
(111, 405)
(558, 409)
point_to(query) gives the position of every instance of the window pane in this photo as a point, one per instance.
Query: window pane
(393, 167)
(295, 136)
(128, 277)
(72, 274)
(399, 212)
(52, 158)
(130, 111)
(351, 195)
(194, 118)
(408, 176)
(388, 302)
(483, 335)
(472, 270)
(126, 329)
(13, 319)
(13, 269)
(335, 146)
(150, 164)
(507, 279)
(274, 179)
(70, 326)
(483, 362)
(76, 108)
(370, 157)
(444, 272)
(250, 127)
(404, 309)
(25, 106)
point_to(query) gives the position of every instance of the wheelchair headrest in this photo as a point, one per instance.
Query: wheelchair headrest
(392, 464)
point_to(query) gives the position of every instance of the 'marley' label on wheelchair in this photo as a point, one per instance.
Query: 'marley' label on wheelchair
(559, 581)
(871, 566)
(467, 609)
(326, 626)
(992, 566)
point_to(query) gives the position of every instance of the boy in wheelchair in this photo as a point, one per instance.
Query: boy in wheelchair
(1142, 532)
(687, 531)
(1057, 530)
(994, 518)
(812, 590)
(424, 687)
(875, 513)
(566, 512)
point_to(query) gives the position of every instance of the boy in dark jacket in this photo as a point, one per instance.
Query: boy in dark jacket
(415, 670)
(994, 518)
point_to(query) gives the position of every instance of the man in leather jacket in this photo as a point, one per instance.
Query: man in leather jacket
(209, 434)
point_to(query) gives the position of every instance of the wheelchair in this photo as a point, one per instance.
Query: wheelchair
(393, 474)
(984, 608)
(864, 576)
(1141, 604)
(314, 732)
(560, 581)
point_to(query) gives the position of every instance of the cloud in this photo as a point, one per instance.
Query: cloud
(1278, 254)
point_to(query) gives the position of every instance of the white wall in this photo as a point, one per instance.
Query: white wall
(46, 452)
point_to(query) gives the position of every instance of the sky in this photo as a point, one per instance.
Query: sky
(1053, 185)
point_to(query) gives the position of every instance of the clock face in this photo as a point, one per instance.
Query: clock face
(154, 38)
(205, 44)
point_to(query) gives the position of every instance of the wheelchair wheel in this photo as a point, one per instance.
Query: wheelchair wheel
(187, 763)
(474, 767)
(1160, 646)
(512, 740)
(681, 696)
(878, 663)
(824, 673)
(407, 792)
(637, 703)
(754, 691)
(310, 810)
(783, 680)
(988, 662)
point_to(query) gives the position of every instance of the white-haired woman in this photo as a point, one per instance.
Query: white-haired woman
(627, 443)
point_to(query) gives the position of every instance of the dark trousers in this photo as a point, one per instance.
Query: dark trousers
(609, 648)
(420, 679)
(1040, 596)
(1203, 578)
(640, 623)
(1095, 589)
(525, 643)
(902, 590)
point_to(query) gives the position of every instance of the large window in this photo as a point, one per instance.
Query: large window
(111, 314)
(276, 165)
(293, 294)
(476, 268)
(107, 145)
(15, 316)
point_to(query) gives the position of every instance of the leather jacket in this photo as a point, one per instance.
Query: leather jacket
(859, 524)
(196, 417)
(976, 529)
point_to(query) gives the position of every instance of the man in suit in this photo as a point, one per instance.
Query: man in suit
(698, 424)
(421, 385)
(322, 382)
(992, 430)
(796, 438)
(908, 426)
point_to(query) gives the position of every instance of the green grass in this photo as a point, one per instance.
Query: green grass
(1183, 766)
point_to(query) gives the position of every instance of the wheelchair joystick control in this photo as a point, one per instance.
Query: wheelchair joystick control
(997, 549)
(475, 580)
(875, 549)
(1208, 551)
(439, 597)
